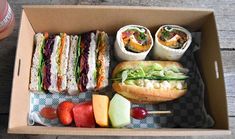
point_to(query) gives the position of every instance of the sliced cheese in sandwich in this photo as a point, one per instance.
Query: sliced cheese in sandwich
(36, 68)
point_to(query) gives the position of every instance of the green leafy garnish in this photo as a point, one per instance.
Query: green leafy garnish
(130, 82)
(154, 67)
(40, 76)
(58, 57)
(124, 75)
(165, 34)
(152, 72)
(77, 68)
(95, 75)
(142, 36)
(152, 78)
(41, 65)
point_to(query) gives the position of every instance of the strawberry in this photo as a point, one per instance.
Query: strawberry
(64, 112)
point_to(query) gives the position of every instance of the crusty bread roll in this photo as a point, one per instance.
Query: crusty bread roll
(145, 95)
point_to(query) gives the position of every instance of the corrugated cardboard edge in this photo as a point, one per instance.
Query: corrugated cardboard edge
(119, 7)
(117, 132)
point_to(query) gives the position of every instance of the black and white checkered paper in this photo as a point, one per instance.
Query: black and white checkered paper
(187, 111)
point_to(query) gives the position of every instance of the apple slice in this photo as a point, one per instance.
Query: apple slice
(100, 106)
(119, 111)
(83, 115)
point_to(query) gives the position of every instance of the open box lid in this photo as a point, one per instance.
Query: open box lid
(72, 19)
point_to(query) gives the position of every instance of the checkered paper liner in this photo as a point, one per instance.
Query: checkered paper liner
(187, 111)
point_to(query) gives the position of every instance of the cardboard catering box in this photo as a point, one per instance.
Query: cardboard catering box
(74, 19)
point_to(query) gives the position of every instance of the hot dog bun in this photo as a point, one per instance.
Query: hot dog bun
(146, 95)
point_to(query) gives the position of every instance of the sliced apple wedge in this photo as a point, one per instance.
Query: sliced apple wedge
(83, 114)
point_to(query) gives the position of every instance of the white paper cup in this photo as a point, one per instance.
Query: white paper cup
(166, 53)
(123, 54)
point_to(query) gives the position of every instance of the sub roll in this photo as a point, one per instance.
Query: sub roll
(150, 81)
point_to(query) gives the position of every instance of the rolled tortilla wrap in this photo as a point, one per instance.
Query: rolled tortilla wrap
(121, 51)
(170, 52)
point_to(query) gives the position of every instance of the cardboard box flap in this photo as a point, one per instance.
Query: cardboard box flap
(212, 72)
(73, 19)
(20, 96)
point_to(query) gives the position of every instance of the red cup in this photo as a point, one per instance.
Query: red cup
(7, 19)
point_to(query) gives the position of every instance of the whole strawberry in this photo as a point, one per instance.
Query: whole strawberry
(64, 112)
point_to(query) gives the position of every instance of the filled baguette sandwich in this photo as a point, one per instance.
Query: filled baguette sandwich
(150, 81)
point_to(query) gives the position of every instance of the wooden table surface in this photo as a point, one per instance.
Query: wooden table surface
(225, 17)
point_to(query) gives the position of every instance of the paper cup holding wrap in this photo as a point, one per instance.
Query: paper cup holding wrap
(163, 52)
(122, 53)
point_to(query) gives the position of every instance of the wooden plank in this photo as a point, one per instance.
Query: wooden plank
(231, 104)
(226, 39)
(221, 7)
(232, 136)
(225, 22)
(224, 11)
(228, 59)
(7, 56)
(226, 7)
(4, 104)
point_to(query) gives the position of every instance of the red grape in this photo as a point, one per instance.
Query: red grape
(48, 113)
(139, 113)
